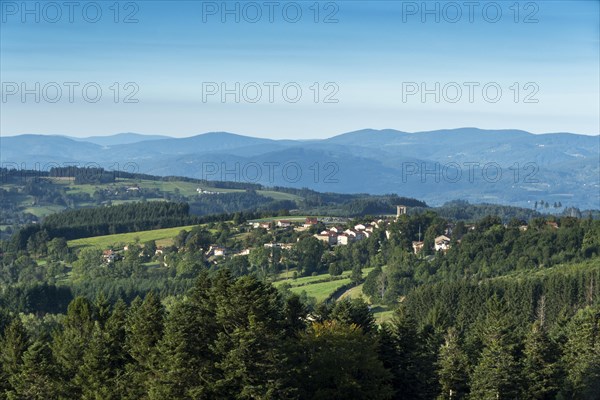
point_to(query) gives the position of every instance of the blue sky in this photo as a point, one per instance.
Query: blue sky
(367, 56)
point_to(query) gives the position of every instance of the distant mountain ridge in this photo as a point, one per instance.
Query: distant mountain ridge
(119, 138)
(502, 166)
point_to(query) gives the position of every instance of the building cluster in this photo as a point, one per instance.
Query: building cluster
(204, 191)
(340, 236)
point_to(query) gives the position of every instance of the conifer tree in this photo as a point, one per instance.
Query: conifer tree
(582, 355)
(496, 375)
(144, 329)
(402, 353)
(185, 361)
(95, 377)
(70, 343)
(38, 377)
(12, 347)
(453, 368)
(340, 362)
(540, 369)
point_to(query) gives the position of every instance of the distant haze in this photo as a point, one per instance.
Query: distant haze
(499, 166)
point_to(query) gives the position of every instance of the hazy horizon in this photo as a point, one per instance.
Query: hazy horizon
(325, 135)
(189, 67)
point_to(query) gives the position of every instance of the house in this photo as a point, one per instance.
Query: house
(308, 222)
(350, 232)
(244, 252)
(328, 237)
(336, 229)
(216, 251)
(360, 227)
(263, 225)
(523, 228)
(377, 224)
(417, 247)
(442, 243)
(133, 189)
(283, 223)
(159, 250)
(344, 239)
(110, 256)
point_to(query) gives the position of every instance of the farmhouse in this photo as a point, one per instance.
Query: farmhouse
(442, 243)
(283, 223)
(310, 222)
(216, 251)
(110, 256)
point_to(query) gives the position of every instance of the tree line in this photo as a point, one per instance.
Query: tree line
(242, 339)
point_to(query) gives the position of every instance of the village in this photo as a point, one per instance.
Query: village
(331, 231)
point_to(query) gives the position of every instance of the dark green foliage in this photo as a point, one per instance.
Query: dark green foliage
(541, 371)
(38, 377)
(453, 368)
(353, 312)
(582, 355)
(339, 361)
(402, 351)
(497, 373)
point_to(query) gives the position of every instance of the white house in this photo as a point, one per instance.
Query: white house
(442, 243)
(344, 239)
(328, 237)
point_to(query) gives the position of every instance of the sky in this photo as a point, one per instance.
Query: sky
(298, 69)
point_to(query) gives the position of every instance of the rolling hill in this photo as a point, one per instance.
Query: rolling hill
(501, 166)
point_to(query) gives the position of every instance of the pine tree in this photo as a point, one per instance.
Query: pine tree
(354, 311)
(453, 368)
(249, 345)
(540, 369)
(402, 353)
(38, 378)
(12, 347)
(185, 359)
(144, 329)
(356, 274)
(102, 309)
(69, 344)
(582, 355)
(340, 362)
(496, 376)
(95, 377)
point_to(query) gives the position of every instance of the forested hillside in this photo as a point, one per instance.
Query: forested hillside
(225, 308)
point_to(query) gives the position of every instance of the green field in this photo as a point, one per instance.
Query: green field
(187, 189)
(310, 280)
(320, 291)
(42, 211)
(163, 237)
(278, 195)
(319, 286)
(355, 293)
